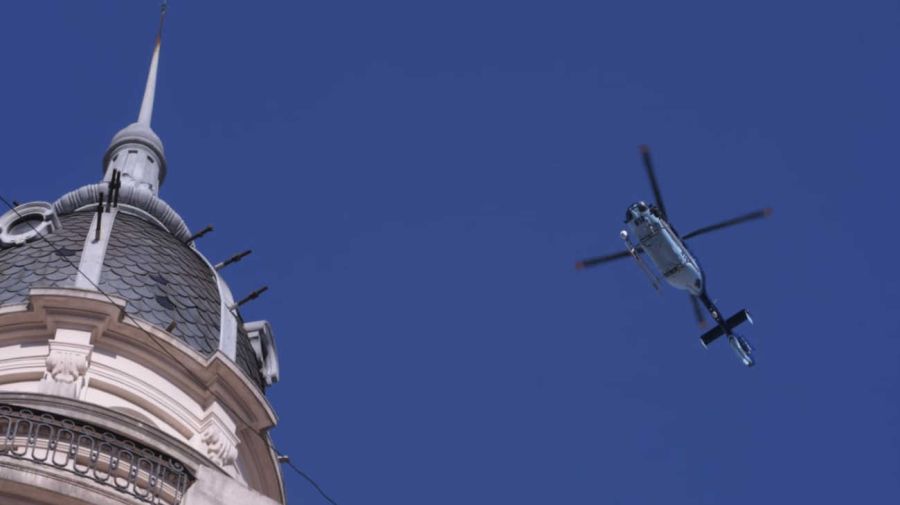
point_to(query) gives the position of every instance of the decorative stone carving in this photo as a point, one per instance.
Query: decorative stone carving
(67, 363)
(65, 373)
(219, 449)
(128, 196)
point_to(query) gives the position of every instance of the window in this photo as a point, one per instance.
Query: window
(27, 222)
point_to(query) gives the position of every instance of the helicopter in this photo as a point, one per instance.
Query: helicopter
(657, 238)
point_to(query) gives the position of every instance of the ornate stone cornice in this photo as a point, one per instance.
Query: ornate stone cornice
(92, 352)
(132, 196)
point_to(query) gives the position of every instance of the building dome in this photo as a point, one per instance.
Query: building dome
(129, 375)
(162, 280)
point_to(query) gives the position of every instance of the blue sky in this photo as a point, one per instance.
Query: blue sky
(417, 179)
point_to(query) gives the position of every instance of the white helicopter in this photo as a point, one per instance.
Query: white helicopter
(668, 252)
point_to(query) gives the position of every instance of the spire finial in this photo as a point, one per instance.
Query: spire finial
(136, 151)
(146, 113)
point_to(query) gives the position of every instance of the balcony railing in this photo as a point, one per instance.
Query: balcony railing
(93, 453)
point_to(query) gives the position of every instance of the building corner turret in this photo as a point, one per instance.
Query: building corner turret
(127, 375)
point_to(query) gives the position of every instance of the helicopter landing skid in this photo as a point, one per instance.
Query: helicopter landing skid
(742, 348)
(632, 250)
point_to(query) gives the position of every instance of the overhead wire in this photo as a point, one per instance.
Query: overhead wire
(286, 460)
(155, 340)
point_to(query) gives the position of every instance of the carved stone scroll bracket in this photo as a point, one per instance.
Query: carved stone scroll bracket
(220, 449)
(218, 440)
(67, 364)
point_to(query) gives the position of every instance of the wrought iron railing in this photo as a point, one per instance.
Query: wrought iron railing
(82, 449)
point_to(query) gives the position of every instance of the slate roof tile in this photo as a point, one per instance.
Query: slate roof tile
(36, 263)
(246, 357)
(143, 264)
(139, 253)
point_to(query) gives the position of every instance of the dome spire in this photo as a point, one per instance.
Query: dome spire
(136, 151)
(146, 113)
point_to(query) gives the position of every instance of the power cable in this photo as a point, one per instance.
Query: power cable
(286, 460)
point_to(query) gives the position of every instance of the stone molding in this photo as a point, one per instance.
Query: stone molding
(100, 357)
(212, 488)
(128, 195)
(24, 482)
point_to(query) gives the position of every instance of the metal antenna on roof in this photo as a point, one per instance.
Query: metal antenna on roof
(234, 259)
(99, 217)
(199, 234)
(113, 198)
(117, 185)
(111, 186)
(252, 296)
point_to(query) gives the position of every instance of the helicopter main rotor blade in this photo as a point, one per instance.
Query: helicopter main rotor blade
(648, 164)
(731, 222)
(590, 262)
(698, 312)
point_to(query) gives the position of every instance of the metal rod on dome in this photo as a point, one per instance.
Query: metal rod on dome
(99, 217)
(199, 234)
(118, 175)
(171, 327)
(252, 296)
(234, 259)
(111, 185)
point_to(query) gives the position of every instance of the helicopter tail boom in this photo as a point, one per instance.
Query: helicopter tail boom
(732, 322)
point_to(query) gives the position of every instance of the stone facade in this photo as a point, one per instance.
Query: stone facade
(71, 352)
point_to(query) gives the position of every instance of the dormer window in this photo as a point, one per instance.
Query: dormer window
(263, 341)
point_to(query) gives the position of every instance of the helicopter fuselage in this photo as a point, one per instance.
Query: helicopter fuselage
(658, 240)
(665, 249)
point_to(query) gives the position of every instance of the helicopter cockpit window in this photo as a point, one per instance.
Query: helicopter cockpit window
(628, 216)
